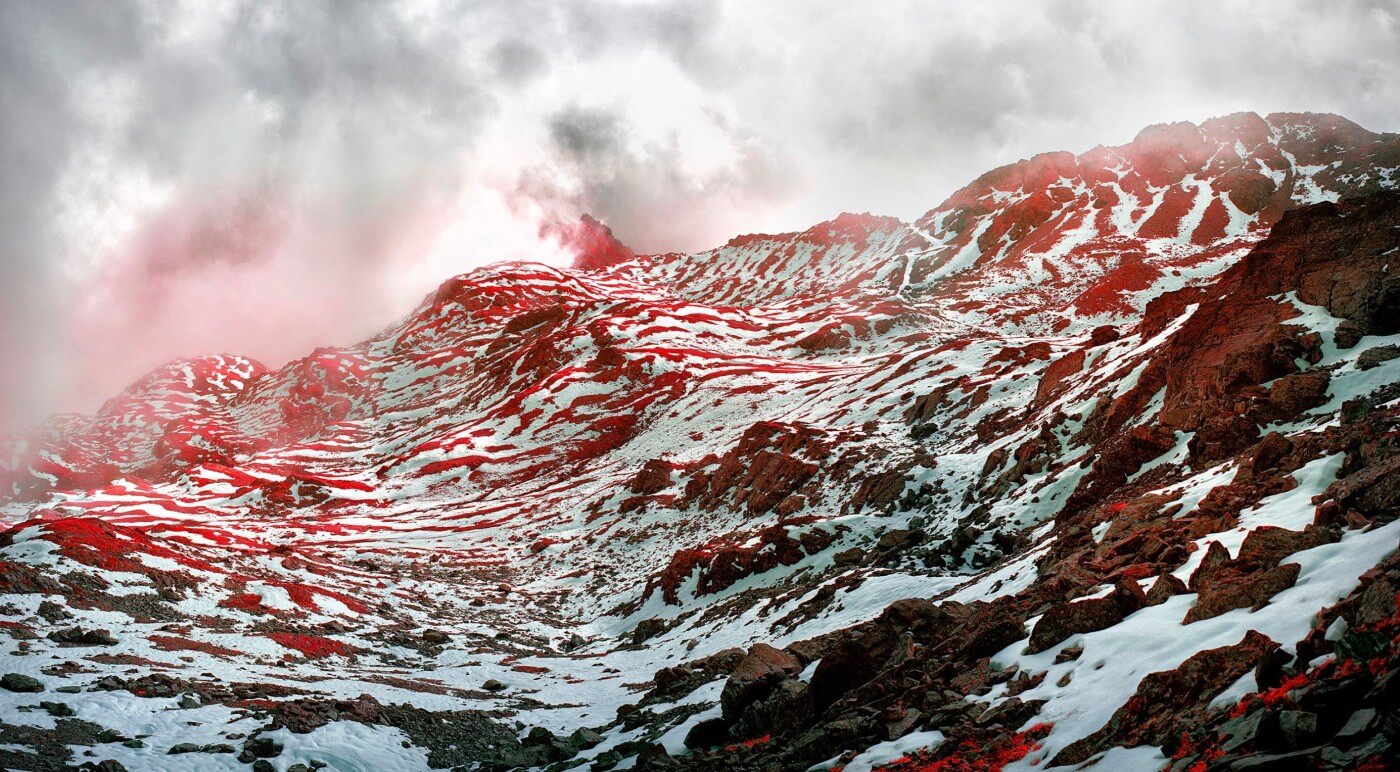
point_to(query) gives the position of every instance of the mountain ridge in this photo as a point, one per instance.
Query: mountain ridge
(546, 480)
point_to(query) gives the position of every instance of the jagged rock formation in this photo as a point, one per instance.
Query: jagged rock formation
(1093, 462)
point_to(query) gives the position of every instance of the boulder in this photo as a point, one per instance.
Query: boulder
(1377, 356)
(1067, 619)
(760, 670)
(18, 682)
(1240, 590)
(1166, 586)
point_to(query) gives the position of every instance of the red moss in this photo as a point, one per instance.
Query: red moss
(313, 646)
(751, 743)
(246, 601)
(177, 643)
(969, 756)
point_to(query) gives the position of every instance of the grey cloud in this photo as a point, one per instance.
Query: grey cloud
(351, 114)
(517, 62)
(643, 190)
(585, 136)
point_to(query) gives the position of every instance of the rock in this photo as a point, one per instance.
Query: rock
(1355, 409)
(180, 748)
(263, 765)
(77, 636)
(18, 682)
(1054, 376)
(1069, 654)
(217, 748)
(1275, 762)
(1297, 728)
(583, 737)
(1272, 447)
(59, 709)
(1295, 394)
(1361, 723)
(709, 733)
(190, 701)
(263, 747)
(761, 669)
(492, 685)
(1241, 590)
(1377, 356)
(1348, 334)
(849, 557)
(1073, 618)
(1166, 586)
(1103, 334)
(1151, 716)
(436, 637)
(648, 629)
(1216, 560)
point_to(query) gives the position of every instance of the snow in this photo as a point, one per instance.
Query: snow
(346, 745)
(886, 752)
(1154, 639)
(1292, 509)
(697, 348)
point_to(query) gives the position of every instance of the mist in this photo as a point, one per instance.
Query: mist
(263, 178)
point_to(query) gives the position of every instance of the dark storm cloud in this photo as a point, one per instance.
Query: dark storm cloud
(259, 176)
(642, 188)
(586, 136)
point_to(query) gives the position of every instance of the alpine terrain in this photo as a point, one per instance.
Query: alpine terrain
(1094, 465)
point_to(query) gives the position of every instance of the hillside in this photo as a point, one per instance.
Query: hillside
(1096, 460)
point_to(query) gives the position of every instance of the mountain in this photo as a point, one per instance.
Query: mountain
(1095, 461)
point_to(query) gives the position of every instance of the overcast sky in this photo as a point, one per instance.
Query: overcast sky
(264, 177)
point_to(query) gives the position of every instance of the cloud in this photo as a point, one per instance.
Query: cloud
(265, 177)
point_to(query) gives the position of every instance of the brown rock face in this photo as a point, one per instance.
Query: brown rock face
(1241, 590)
(1055, 375)
(1067, 619)
(1331, 255)
(760, 670)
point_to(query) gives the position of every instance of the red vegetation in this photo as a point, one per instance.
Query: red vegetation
(178, 643)
(313, 646)
(969, 756)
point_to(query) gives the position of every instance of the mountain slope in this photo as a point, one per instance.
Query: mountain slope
(546, 491)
